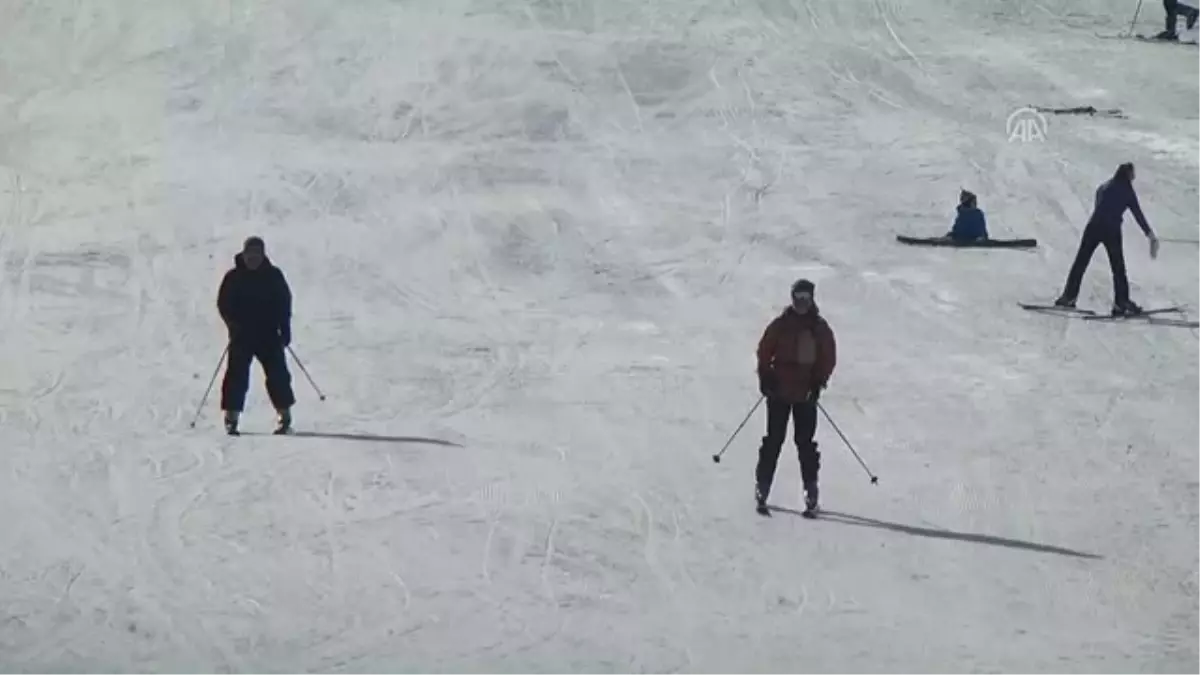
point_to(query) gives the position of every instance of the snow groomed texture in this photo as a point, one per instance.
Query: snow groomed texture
(532, 246)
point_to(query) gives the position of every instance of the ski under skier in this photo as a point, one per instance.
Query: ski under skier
(796, 357)
(970, 224)
(1174, 9)
(1113, 198)
(256, 304)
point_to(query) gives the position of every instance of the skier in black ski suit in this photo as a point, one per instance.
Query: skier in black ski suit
(256, 304)
(1113, 198)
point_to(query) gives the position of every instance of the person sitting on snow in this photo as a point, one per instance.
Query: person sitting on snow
(970, 225)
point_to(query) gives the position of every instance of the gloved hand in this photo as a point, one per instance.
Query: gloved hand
(1153, 245)
(285, 335)
(235, 331)
(814, 394)
(766, 383)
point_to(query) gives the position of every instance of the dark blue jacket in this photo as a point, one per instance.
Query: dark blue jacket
(1113, 197)
(969, 225)
(255, 304)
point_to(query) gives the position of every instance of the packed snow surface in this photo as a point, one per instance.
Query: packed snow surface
(533, 246)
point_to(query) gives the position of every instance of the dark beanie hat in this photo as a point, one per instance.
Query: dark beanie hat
(803, 286)
(254, 242)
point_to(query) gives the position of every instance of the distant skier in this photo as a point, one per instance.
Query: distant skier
(970, 224)
(1113, 198)
(256, 304)
(1173, 9)
(796, 357)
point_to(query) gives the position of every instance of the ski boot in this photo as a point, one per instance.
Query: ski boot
(811, 507)
(231, 423)
(1168, 35)
(284, 425)
(760, 500)
(1127, 308)
(810, 467)
(1065, 302)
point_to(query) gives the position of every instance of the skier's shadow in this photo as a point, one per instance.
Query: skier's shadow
(847, 519)
(370, 438)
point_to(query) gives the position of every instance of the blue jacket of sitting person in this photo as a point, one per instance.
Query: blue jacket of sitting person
(970, 223)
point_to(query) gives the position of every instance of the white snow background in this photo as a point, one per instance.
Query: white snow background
(533, 246)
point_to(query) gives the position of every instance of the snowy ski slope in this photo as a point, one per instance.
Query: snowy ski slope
(533, 246)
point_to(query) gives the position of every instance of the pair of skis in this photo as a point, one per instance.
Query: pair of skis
(1146, 38)
(1092, 315)
(282, 429)
(811, 514)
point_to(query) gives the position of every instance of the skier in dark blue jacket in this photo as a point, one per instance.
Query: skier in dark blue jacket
(255, 302)
(1113, 198)
(970, 224)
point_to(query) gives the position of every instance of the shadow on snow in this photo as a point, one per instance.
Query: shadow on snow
(847, 519)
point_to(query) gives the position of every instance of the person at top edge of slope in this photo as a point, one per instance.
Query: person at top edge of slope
(969, 223)
(255, 303)
(1173, 9)
(1113, 198)
(796, 357)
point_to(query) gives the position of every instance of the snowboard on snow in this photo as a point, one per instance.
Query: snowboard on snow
(978, 243)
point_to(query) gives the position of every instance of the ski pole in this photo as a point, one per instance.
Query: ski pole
(874, 478)
(717, 457)
(204, 400)
(1136, 11)
(305, 371)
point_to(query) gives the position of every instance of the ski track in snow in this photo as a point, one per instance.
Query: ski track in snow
(532, 247)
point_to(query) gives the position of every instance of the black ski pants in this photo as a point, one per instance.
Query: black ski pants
(1094, 235)
(804, 415)
(1174, 9)
(271, 355)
